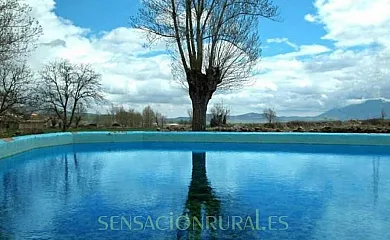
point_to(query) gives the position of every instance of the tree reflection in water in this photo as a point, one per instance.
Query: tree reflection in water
(201, 201)
(375, 174)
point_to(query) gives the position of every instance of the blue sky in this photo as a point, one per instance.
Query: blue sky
(101, 15)
(104, 15)
(318, 58)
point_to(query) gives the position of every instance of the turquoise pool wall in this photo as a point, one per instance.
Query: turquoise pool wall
(12, 146)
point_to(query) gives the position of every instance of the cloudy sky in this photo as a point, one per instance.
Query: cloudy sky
(324, 54)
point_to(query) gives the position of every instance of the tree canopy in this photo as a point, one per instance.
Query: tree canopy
(215, 42)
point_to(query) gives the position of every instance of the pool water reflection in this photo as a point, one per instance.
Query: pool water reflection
(124, 191)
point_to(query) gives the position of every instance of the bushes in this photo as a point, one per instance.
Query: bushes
(295, 124)
(219, 115)
(270, 115)
(374, 121)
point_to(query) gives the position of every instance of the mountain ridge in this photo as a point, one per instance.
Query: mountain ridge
(360, 111)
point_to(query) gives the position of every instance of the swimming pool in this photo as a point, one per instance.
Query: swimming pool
(168, 190)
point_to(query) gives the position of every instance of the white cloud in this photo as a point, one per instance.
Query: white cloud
(282, 40)
(305, 81)
(303, 50)
(310, 18)
(132, 75)
(354, 22)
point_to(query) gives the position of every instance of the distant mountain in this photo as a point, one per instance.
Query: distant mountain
(296, 118)
(244, 118)
(247, 118)
(366, 110)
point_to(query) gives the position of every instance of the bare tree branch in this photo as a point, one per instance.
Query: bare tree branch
(216, 43)
(270, 115)
(18, 30)
(65, 87)
(15, 86)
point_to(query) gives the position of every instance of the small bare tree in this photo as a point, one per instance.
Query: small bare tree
(160, 119)
(270, 115)
(121, 116)
(148, 117)
(15, 86)
(97, 119)
(112, 110)
(189, 112)
(383, 115)
(219, 115)
(138, 119)
(163, 120)
(65, 85)
(133, 122)
(18, 30)
(79, 114)
(215, 43)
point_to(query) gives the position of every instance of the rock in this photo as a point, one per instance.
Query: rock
(355, 122)
(158, 129)
(242, 129)
(17, 133)
(236, 127)
(299, 129)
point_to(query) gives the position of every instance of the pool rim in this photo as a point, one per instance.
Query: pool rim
(20, 144)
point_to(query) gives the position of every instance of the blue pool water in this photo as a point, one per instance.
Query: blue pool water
(239, 191)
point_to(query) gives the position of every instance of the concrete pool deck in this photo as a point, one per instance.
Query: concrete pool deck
(13, 146)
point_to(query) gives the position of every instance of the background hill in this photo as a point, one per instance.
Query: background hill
(366, 110)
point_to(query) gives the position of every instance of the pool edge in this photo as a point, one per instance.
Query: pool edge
(16, 145)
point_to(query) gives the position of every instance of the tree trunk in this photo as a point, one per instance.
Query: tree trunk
(201, 88)
(64, 121)
(64, 127)
(201, 200)
(199, 112)
(199, 167)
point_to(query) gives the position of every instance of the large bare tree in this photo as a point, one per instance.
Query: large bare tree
(18, 30)
(216, 42)
(15, 86)
(65, 86)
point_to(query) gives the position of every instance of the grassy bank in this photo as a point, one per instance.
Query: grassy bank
(367, 126)
(14, 132)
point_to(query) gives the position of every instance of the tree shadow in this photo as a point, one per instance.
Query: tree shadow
(201, 202)
(375, 175)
